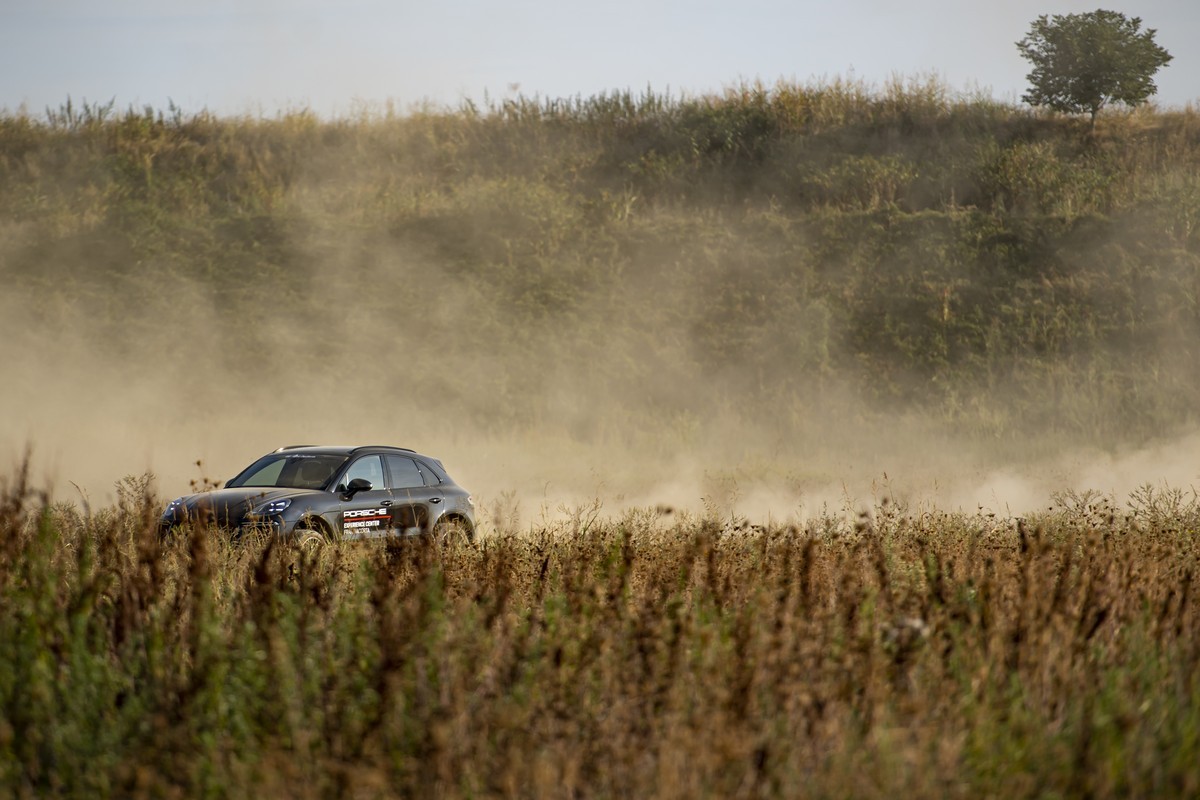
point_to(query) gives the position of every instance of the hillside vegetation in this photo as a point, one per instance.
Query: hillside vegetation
(760, 253)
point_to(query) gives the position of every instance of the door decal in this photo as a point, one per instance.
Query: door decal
(364, 518)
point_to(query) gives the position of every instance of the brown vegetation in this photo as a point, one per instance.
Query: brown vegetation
(922, 654)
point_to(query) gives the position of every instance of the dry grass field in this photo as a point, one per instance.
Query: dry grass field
(916, 654)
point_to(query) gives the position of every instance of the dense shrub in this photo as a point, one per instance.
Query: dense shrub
(920, 249)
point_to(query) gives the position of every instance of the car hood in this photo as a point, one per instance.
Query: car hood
(230, 507)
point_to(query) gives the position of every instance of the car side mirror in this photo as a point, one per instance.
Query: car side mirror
(357, 485)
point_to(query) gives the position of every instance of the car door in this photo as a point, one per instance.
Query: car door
(369, 513)
(416, 495)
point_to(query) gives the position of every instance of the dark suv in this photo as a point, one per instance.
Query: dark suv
(322, 493)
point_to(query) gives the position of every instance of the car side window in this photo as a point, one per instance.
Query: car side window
(431, 478)
(368, 467)
(404, 472)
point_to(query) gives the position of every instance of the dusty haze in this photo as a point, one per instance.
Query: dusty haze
(635, 301)
(169, 385)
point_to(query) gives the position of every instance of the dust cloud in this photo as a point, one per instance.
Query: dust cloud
(117, 365)
(159, 383)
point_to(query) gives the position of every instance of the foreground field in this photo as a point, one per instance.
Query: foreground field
(924, 653)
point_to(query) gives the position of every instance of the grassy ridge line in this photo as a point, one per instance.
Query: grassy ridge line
(778, 246)
(931, 655)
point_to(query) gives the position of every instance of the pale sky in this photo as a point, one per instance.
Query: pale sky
(260, 56)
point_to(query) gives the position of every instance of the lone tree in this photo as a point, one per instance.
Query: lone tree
(1083, 62)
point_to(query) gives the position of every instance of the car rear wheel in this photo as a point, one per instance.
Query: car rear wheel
(452, 529)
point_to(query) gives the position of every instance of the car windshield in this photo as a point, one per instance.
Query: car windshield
(291, 470)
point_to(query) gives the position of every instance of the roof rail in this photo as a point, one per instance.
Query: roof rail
(293, 447)
(381, 446)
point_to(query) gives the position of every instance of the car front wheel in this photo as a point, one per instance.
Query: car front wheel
(311, 538)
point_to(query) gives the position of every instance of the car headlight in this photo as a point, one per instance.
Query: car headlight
(173, 506)
(273, 507)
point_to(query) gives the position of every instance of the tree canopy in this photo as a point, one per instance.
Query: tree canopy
(1083, 62)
